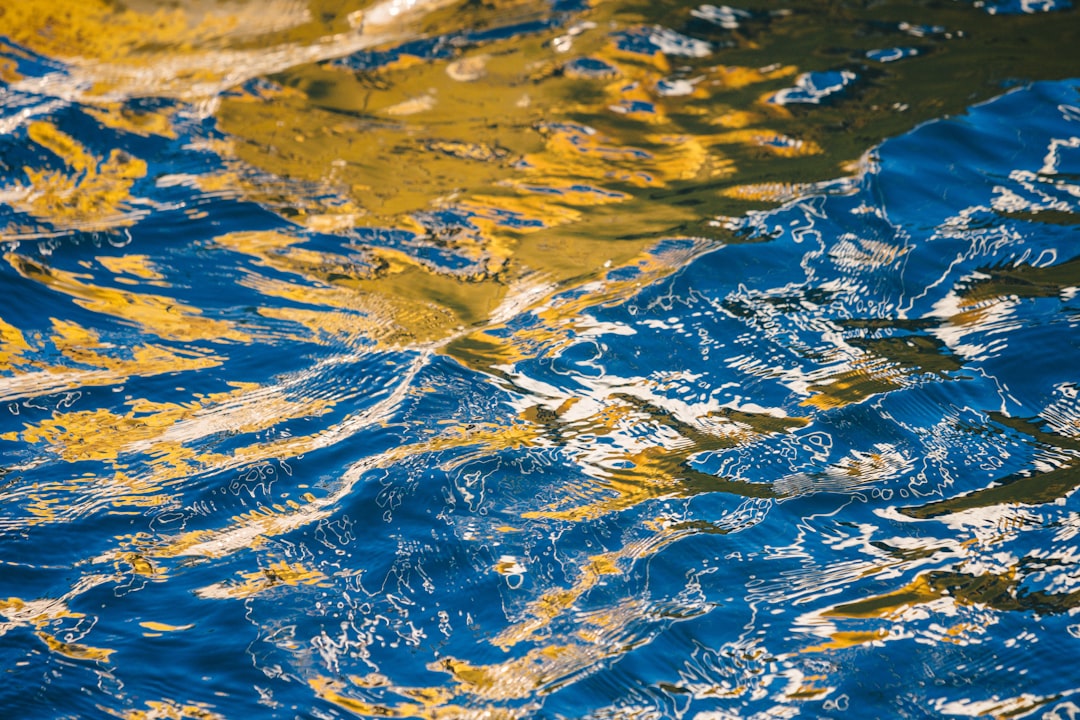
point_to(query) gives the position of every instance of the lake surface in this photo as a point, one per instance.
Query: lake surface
(539, 359)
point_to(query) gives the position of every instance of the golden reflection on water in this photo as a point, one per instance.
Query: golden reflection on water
(510, 132)
(561, 177)
(91, 194)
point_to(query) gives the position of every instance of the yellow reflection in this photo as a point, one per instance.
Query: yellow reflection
(77, 25)
(766, 192)
(93, 194)
(161, 436)
(75, 651)
(733, 77)
(9, 69)
(118, 116)
(431, 703)
(464, 132)
(83, 347)
(189, 49)
(137, 266)
(167, 710)
(163, 316)
(846, 639)
(855, 382)
(937, 590)
(281, 252)
(518, 678)
(916, 592)
(13, 345)
(774, 143)
(158, 429)
(41, 614)
(553, 603)
(251, 529)
(481, 685)
(560, 320)
(273, 575)
(403, 302)
(572, 150)
(97, 434)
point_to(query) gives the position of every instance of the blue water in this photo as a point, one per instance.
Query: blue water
(821, 463)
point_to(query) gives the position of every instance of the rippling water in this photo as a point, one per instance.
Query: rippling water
(530, 359)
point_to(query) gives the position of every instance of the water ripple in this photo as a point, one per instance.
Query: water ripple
(403, 363)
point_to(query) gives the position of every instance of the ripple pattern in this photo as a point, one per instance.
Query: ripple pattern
(270, 451)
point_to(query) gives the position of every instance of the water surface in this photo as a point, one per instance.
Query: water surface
(539, 360)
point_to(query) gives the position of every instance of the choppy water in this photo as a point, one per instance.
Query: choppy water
(539, 360)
